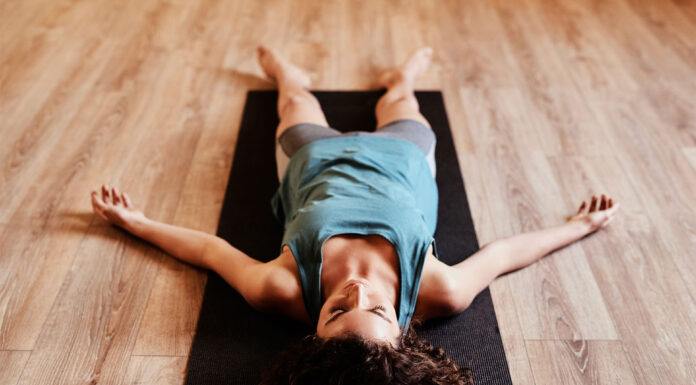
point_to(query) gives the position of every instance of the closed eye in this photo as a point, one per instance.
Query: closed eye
(379, 310)
(336, 309)
(379, 307)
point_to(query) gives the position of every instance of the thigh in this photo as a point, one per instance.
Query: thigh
(296, 136)
(414, 132)
(410, 130)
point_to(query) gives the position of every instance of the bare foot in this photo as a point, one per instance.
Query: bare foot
(409, 70)
(280, 70)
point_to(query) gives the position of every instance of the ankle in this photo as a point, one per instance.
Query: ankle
(402, 88)
(291, 87)
(400, 80)
(290, 80)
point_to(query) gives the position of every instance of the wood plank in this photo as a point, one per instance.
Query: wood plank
(669, 26)
(89, 334)
(179, 288)
(528, 186)
(673, 111)
(57, 230)
(56, 60)
(34, 264)
(631, 266)
(579, 362)
(470, 59)
(687, 8)
(11, 365)
(581, 43)
(690, 153)
(47, 141)
(646, 57)
(647, 150)
(564, 277)
(156, 370)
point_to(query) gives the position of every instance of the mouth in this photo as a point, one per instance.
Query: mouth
(356, 282)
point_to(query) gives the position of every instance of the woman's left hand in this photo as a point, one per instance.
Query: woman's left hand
(597, 217)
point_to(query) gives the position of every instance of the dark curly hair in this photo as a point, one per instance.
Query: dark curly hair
(353, 359)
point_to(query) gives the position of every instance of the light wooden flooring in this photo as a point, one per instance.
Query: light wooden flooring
(550, 101)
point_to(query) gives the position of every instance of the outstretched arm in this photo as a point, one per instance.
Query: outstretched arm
(257, 282)
(191, 246)
(475, 273)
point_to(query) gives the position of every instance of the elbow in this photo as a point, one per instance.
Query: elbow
(455, 305)
(209, 253)
(269, 295)
(460, 303)
(455, 299)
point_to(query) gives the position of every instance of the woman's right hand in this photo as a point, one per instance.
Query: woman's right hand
(596, 217)
(115, 207)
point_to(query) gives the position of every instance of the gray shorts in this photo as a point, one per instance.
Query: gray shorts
(294, 137)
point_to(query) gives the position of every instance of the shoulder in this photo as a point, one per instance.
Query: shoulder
(440, 294)
(448, 290)
(281, 288)
(436, 292)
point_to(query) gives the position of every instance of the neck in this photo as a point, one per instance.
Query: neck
(359, 259)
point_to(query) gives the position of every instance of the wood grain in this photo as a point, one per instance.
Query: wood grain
(12, 364)
(549, 103)
(156, 370)
(579, 362)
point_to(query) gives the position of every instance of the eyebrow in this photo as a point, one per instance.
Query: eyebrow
(373, 311)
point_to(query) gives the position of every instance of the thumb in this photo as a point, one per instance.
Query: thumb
(613, 209)
(606, 222)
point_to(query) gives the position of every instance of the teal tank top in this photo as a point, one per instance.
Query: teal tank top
(358, 185)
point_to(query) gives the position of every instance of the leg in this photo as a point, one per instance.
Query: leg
(295, 103)
(397, 111)
(399, 102)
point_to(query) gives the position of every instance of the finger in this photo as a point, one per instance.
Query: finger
(614, 209)
(603, 202)
(593, 204)
(582, 207)
(96, 199)
(97, 204)
(611, 203)
(126, 200)
(607, 221)
(105, 193)
(115, 195)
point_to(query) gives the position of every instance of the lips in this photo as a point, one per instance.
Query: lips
(356, 282)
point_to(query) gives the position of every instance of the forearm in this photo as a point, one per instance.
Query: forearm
(524, 249)
(182, 243)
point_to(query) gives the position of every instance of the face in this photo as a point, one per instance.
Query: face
(357, 307)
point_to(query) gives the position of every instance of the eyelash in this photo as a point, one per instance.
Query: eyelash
(378, 307)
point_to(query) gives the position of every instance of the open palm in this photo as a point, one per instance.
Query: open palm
(114, 206)
(597, 216)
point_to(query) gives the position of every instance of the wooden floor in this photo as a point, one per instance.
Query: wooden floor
(549, 102)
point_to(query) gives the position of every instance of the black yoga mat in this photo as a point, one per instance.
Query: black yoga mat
(234, 343)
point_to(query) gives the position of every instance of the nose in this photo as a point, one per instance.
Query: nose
(356, 295)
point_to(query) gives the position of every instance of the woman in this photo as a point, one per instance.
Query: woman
(358, 257)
